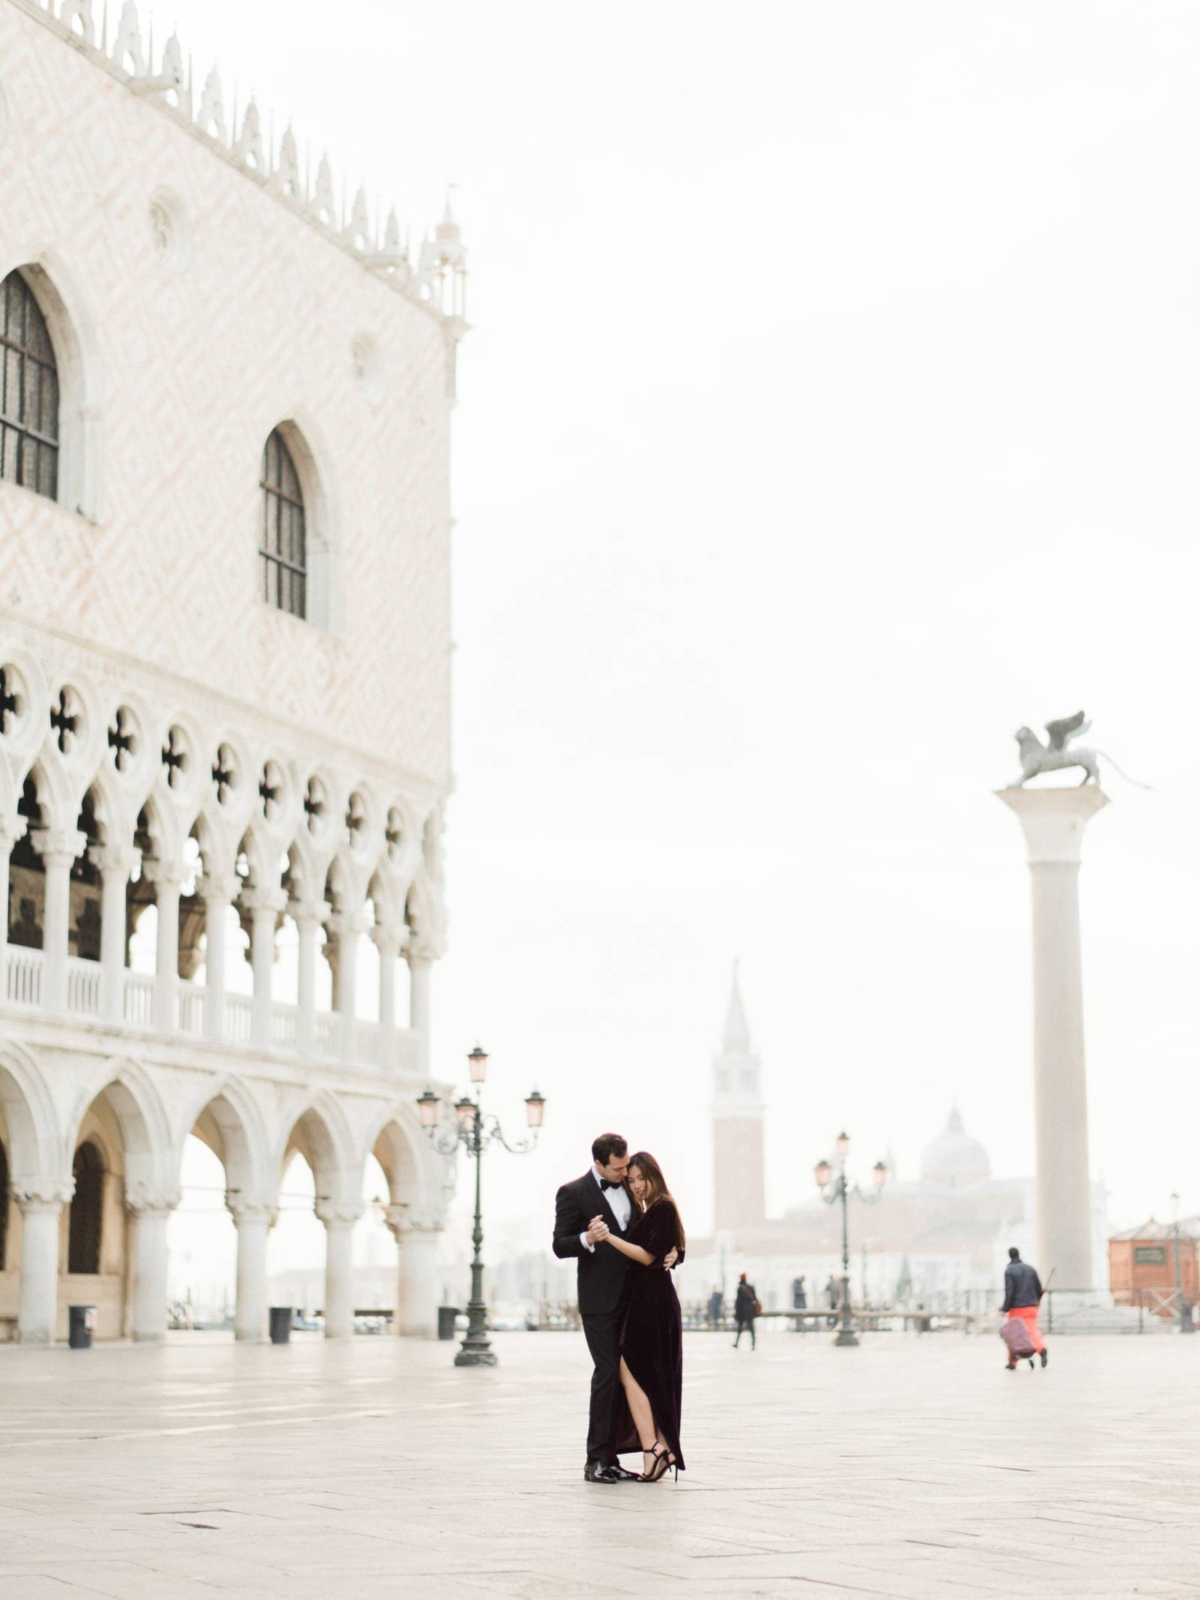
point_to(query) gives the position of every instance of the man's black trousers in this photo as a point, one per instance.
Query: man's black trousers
(602, 1330)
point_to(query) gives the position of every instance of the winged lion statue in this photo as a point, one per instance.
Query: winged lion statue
(1059, 752)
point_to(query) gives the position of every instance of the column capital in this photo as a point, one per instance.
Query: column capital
(12, 828)
(273, 900)
(402, 1219)
(115, 858)
(218, 888)
(245, 1208)
(163, 874)
(58, 844)
(311, 911)
(337, 1214)
(341, 923)
(388, 939)
(420, 950)
(1053, 820)
(42, 1194)
(145, 1201)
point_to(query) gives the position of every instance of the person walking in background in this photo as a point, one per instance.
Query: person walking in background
(745, 1309)
(832, 1297)
(1022, 1296)
(799, 1302)
(716, 1307)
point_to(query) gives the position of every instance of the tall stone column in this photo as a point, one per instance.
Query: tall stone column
(252, 1219)
(58, 848)
(347, 927)
(12, 828)
(420, 965)
(308, 915)
(166, 878)
(1053, 821)
(37, 1311)
(264, 906)
(218, 890)
(339, 1267)
(417, 1286)
(387, 941)
(115, 863)
(152, 1212)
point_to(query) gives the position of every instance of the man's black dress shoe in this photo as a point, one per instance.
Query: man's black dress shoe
(595, 1472)
(619, 1474)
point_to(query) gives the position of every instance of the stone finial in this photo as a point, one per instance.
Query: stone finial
(172, 68)
(391, 236)
(249, 146)
(79, 11)
(286, 177)
(358, 230)
(322, 204)
(127, 50)
(210, 118)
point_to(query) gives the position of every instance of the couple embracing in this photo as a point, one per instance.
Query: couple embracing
(621, 1223)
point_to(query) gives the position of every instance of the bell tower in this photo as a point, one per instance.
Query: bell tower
(738, 1188)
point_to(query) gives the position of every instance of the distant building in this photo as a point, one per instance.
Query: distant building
(927, 1240)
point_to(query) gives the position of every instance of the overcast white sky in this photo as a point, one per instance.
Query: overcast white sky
(831, 410)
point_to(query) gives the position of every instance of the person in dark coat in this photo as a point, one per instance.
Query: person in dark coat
(651, 1366)
(799, 1302)
(745, 1309)
(716, 1307)
(1022, 1295)
(584, 1212)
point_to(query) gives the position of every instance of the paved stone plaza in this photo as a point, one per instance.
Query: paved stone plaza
(911, 1467)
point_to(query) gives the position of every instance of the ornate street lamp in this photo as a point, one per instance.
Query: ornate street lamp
(476, 1132)
(834, 1190)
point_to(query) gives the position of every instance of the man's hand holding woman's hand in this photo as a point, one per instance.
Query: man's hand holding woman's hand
(597, 1230)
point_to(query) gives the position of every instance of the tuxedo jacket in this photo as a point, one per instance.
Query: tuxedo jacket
(602, 1270)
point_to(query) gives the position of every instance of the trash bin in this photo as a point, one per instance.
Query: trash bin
(281, 1324)
(81, 1324)
(446, 1316)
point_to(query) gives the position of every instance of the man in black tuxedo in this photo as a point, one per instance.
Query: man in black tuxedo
(600, 1195)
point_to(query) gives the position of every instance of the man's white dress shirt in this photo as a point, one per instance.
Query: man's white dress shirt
(620, 1204)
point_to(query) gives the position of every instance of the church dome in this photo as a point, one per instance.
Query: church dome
(955, 1158)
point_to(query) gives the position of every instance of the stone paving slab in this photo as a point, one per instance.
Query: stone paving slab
(909, 1468)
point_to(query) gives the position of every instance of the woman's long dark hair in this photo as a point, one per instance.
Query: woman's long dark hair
(658, 1190)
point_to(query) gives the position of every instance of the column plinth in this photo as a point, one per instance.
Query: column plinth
(1053, 821)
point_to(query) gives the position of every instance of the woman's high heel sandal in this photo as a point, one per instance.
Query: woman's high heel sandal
(662, 1460)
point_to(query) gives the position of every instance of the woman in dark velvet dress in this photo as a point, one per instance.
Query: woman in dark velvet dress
(652, 1337)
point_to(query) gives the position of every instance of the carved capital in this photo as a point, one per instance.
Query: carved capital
(338, 1214)
(264, 900)
(162, 874)
(36, 1196)
(420, 951)
(309, 911)
(218, 888)
(341, 923)
(144, 1201)
(119, 859)
(388, 939)
(58, 846)
(244, 1208)
(12, 828)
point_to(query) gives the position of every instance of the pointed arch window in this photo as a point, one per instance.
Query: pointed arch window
(28, 392)
(283, 548)
(84, 1224)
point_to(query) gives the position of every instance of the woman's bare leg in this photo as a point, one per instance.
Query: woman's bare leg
(642, 1414)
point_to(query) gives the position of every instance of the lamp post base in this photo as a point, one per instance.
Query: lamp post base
(476, 1356)
(846, 1336)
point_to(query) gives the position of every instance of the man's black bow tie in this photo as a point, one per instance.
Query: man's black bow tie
(606, 1183)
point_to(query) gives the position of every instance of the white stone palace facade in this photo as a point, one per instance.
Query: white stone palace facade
(224, 680)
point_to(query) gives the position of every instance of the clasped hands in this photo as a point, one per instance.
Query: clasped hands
(598, 1231)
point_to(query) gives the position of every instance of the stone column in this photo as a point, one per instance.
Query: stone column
(253, 1220)
(37, 1312)
(347, 926)
(166, 878)
(151, 1211)
(264, 906)
(420, 963)
(58, 848)
(388, 942)
(339, 1267)
(115, 862)
(1053, 821)
(417, 1287)
(308, 915)
(11, 829)
(217, 889)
